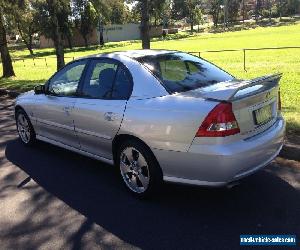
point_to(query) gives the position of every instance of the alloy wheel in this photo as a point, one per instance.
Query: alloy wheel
(134, 170)
(23, 128)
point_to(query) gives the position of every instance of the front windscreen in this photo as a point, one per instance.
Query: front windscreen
(181, 72)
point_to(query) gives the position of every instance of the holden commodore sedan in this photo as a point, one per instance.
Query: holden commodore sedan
(157, 116)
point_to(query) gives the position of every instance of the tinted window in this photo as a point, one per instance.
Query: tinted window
(65, 82)
(123, 85)
(182, 72)
(100, 79)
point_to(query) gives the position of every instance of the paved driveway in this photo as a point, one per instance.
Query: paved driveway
(52, 199)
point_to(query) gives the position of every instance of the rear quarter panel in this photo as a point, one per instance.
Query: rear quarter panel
(167, 123)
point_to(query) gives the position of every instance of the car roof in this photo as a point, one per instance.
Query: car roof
(132, 53)
(144, 52)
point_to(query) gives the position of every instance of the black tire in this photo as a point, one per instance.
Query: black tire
(155, 176)
(20, 114)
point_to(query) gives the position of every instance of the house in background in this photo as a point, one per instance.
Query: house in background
(111, 33)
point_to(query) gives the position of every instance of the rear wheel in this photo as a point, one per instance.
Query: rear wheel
(24, 127)
(139, 169)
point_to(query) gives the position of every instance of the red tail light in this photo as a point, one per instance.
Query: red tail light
(219, 122)
(279, 100)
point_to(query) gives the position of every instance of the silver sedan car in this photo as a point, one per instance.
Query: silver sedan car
(157, 115)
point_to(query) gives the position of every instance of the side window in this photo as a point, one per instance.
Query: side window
(193, 69)
(99, 80)
(173, 70)
(65, 82)
(123, 84)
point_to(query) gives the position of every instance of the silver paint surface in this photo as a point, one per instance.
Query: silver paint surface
(166, 123)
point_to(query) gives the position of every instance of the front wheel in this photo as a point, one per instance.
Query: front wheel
(24, 127)
(139, 169)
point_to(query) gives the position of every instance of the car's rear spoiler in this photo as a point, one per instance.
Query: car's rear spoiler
(237, 89)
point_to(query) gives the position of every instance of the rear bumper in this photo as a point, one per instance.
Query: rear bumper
(218, 165)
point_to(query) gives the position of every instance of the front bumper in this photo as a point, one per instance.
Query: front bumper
(218, 165)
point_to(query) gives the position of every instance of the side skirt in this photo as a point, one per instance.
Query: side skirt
(59, 144)
(193, 182)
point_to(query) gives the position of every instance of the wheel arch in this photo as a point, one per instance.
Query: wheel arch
(117, 141)
(18, 107)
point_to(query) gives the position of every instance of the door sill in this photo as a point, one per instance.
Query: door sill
(76, 150)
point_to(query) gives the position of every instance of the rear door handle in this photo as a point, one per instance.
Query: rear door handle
(111, 116)
(67, 109)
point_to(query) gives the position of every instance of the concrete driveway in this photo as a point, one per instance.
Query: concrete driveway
(54, 199)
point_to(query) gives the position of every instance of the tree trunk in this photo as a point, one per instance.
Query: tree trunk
(225, 13)
(192, 22)
(243, 11)
(145, 25)
(256, 10)
(270, 11)
(30, 45)
(216, 17)
(59, 51)
(29, 42)
(69, 41)
(86, 44)
(5, 56)
(101, 37)
(280, 10)
(58, 44)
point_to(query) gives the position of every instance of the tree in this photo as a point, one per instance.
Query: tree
(85, 18)
(7, 66)
(214, 10)
(26, 21)
(145, 24)
(258, 8)
(119, 12)
(54, 21)
(233, 7)
(134, 13)
(269, 5)
(102, 9)
(291, 6)
(193, 8)
(198, 17)
(158, 9)
(143, 10)
(189, 9)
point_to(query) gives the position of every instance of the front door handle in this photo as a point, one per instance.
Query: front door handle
(110, 116)
(67, 109)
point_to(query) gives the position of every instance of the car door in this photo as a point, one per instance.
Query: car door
(99, 110)
(54, 109)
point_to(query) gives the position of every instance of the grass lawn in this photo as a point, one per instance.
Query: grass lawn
(30, 73)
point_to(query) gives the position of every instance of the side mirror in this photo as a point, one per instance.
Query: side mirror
(40, 89)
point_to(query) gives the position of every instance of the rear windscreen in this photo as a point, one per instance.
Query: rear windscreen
(181, 72)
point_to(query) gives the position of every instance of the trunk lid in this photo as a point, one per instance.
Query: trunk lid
(254, 102)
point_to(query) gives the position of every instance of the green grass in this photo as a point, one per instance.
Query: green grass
(257, 62)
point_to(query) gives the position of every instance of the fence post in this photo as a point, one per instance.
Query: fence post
(46, 62)
(199, 54)
(33, 61)
(244, 51)
(23, 62)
